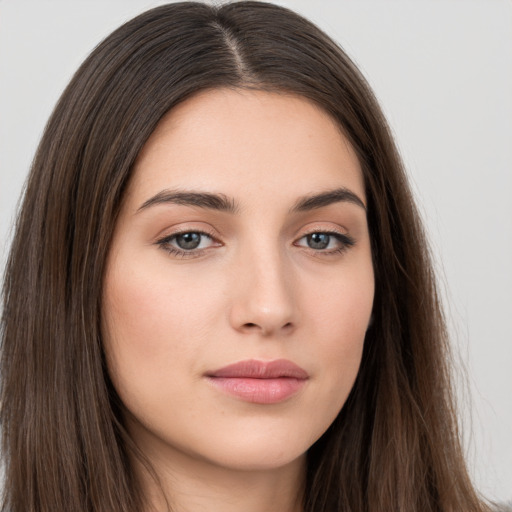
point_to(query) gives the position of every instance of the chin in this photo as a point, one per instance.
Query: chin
(262, 447)
(254, 458)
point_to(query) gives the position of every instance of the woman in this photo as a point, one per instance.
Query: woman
(219, 295)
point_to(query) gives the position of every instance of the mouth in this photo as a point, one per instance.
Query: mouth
(260, 382)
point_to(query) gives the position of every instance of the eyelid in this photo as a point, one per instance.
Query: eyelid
(186, 226)
(345, 240)
(329, 229)
(165, 241)
(324, 229)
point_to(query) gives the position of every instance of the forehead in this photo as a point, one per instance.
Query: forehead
(247, 144)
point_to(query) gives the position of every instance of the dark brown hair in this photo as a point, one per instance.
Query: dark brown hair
(393, 447)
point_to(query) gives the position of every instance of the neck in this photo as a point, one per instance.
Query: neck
(184, 484)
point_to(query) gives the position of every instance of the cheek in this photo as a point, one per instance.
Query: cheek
(145, 303)
(342, 302)
(153, 324)
(341, 315)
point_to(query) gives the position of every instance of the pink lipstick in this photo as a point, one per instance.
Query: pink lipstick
(260, 382)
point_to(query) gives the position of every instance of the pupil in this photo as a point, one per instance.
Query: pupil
(318, 240)
(188, 240)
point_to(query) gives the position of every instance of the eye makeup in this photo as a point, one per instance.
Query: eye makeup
(188, 243)
(193, 243)
(327, 242)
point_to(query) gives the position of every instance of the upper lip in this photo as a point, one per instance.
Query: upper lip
(254, 369)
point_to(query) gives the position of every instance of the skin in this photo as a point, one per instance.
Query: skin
(254, 289)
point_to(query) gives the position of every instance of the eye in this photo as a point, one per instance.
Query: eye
(328, 242)
(187, 243)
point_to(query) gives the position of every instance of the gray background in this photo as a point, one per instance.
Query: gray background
(443, 72)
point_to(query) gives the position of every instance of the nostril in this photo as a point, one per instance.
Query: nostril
(252, 325)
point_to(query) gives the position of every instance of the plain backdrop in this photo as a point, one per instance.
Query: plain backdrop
(442, 70)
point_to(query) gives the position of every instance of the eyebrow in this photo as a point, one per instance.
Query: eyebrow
(188, 198)
(221, 202)
(315, 201)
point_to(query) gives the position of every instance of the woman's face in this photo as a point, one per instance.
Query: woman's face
(239, 284)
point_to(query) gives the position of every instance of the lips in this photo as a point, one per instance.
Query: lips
(259, 381)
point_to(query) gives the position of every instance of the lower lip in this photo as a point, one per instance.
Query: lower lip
(259, 391)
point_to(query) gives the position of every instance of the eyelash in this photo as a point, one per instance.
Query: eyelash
(345, 240)
(164, 243)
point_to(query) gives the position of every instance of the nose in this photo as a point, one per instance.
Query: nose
(263, 299)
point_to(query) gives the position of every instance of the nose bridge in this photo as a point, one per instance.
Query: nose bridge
(264, 299)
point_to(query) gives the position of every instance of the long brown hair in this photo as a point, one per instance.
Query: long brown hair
(394, 445)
